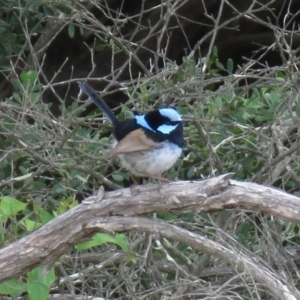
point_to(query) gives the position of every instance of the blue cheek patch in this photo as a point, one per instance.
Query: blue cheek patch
(142, 122)
(166, 129)
(171, 113)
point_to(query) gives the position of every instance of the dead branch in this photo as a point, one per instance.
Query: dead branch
(242, 262)
(118, 210)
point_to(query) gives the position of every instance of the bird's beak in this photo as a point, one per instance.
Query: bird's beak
(186, 119)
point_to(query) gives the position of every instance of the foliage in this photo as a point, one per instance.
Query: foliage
(17, 17)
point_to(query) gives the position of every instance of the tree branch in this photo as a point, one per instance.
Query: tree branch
(241, 261)
(115, 211)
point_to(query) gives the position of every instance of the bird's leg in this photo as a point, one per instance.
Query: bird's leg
(134, 180)
(160, 179)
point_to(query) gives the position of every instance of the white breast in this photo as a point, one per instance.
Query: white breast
(153, 162)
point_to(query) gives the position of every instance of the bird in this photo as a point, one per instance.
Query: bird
(148, 144)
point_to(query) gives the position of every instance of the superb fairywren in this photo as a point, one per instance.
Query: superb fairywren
(148, 144)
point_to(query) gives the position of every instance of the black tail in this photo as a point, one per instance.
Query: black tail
(89, 91)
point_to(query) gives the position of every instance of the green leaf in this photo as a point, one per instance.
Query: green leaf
(230, 65)
(38, 283)
(100, 47)
(219, 102)
(116, 48)
(71, 30)
(65, 206)
(102, 238)
(117, 177)
(215, 51)
(28, 77)
(13, 287)
(11, 206)
(66, 9)
(44, 215)
(16, 84)
(23, 77)
(81, 30)
(167, 216)
(30, 225)
(97, 240)
(219, 65)
(48, 10)
(17, 97)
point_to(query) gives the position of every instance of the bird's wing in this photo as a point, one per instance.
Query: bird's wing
(134, 141)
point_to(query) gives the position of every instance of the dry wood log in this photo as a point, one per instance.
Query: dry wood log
(119, 211)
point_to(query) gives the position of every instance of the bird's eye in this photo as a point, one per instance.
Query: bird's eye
(171, 123)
